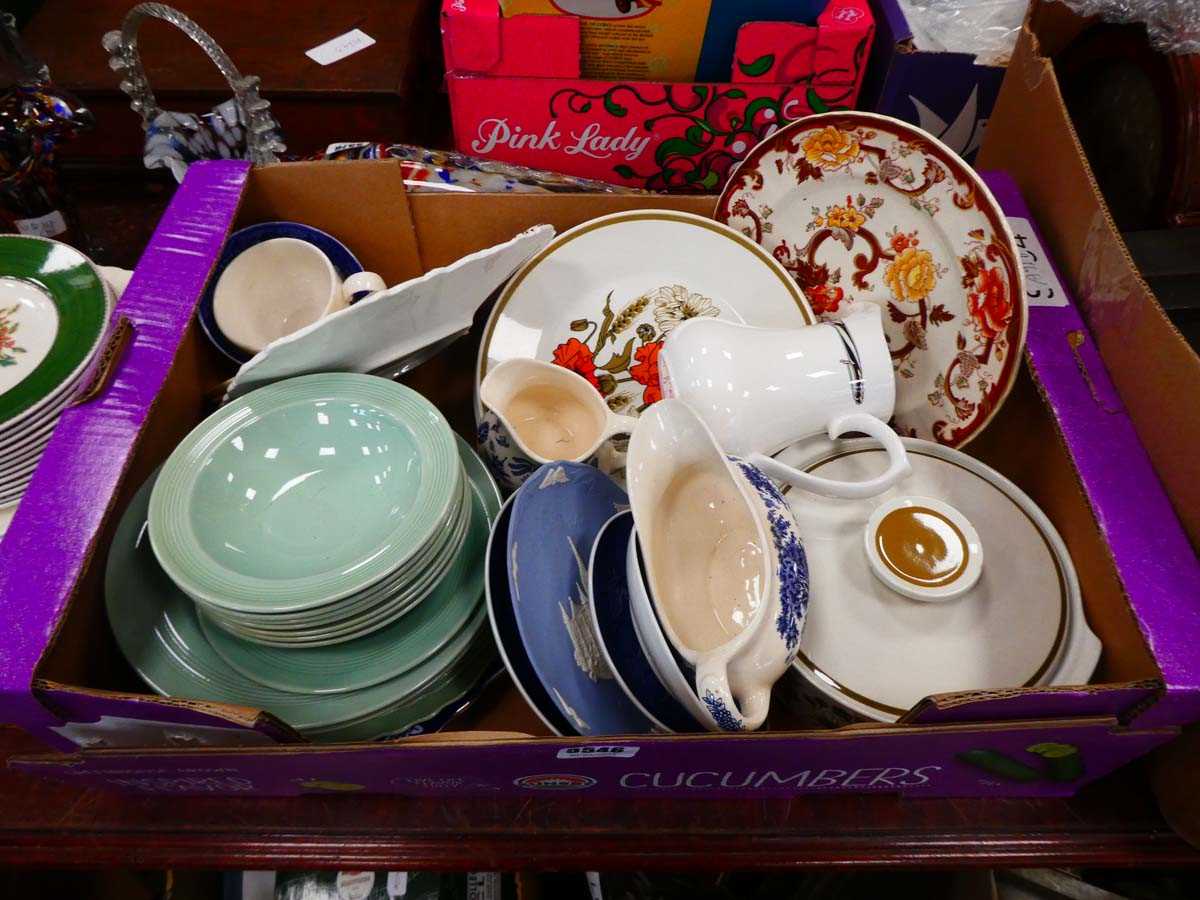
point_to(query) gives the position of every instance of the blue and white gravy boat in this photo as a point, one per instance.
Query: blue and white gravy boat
(727, 575)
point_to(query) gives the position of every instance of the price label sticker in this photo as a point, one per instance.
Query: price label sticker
(340, 47)
(1042, 287)
(50, 225)
(345, 145)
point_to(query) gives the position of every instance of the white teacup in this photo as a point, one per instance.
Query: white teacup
(536, 412)
(762, 389)
(277, 287)
(726, 570)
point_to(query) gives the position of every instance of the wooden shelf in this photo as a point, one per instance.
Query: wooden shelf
(46, 823)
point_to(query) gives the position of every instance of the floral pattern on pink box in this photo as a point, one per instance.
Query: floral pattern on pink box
(864, 208)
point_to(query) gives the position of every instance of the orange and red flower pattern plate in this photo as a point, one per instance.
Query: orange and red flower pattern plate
(862, 208)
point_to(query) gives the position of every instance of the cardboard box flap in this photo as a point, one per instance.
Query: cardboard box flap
(383, 239)
(1154, 373)
(98, 718)
(1124, 701)
(1153, 368)
(39, 574)
(1010, 759)
(783, 52)
(472, 34)
(479, 39)
(893, 26)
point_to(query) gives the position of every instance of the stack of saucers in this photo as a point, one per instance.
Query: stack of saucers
(53, 309)
(315, 549)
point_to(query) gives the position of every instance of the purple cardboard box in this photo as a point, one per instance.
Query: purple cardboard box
(947, 94)
(1062, 435)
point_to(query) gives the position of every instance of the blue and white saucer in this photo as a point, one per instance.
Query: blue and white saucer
(556, 516)
(506, 633)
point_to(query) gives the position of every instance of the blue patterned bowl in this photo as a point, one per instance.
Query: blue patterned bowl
(556, 516)
(508, 636)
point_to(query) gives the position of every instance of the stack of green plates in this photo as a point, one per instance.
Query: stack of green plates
(54, 306)
(389, 682)
(390, 542)
(312, 511)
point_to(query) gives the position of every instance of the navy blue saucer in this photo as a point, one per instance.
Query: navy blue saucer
(339, 254)
(609, 591)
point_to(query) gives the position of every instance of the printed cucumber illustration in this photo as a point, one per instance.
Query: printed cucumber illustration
(1063, 761)
(1059, 762)
(995, 763)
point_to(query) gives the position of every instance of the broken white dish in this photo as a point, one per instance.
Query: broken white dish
(395, 324)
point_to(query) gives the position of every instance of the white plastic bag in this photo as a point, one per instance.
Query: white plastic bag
(986, 28)
(1173, 25)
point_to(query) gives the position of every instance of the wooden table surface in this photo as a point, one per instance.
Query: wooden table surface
(47, 823)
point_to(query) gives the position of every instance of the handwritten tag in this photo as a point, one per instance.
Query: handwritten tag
(340, 47)
(50, 225)
(1042, 287)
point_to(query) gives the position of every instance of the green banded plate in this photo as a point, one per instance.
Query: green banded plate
(53, 309)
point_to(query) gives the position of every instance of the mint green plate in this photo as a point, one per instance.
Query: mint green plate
(435, 555)
(303, 492)
(389, 651)
(158, 631)
(78, 300)
(354, 616)
(460, 680)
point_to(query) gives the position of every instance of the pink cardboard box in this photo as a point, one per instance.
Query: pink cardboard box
(1062, 435)
(516, 95)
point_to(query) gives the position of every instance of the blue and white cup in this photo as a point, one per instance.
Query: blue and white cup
(275, 288)
(344, 262)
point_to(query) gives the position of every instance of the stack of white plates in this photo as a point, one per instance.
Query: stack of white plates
(54, 306)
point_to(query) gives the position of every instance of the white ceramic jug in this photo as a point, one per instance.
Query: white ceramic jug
(762, 389)
(567, 420)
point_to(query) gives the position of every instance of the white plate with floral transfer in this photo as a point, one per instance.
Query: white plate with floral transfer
(53, 309)
(866, 208)
(600, 298)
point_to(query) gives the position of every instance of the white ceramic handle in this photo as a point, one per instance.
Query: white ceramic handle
(362, 281)
(619, 425)
(898, 465)
(612, 458)
(712, 686)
